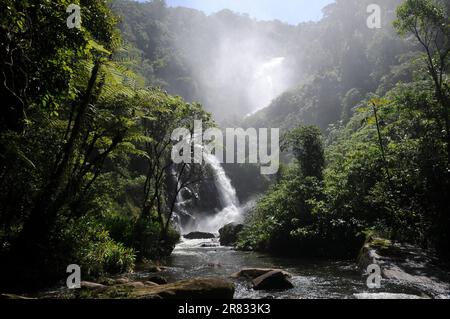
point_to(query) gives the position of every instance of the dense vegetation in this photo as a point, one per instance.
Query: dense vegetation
(387, 160)
(85, 148)
(85, 171)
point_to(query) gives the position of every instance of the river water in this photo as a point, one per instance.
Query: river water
(313, 279)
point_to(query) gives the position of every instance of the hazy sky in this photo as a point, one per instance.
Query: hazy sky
(291, 11)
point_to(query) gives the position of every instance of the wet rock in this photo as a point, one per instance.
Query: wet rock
(154, 269)
(252, 273)
(406, 265)
(199, 235)
(121, 281)
(274, 280)
(13, 296)
(199, 288)
(157, 279)
(149, 267)
(384, 295)
(209, 245)
(151, 284)
(92, 285)
(108, 281)
(229, 234)
(134, 284)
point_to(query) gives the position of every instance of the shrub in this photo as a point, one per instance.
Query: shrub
(95, 251)
(148, 240)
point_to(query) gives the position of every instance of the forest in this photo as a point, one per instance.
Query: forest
(86, 169)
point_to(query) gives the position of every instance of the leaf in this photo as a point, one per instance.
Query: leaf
(92, 45)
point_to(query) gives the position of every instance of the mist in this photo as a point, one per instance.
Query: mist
(239, 65)
(241, 79)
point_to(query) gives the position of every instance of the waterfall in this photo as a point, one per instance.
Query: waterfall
(230, 208)
(269, 81)
(227, 193)
(231, 211)
(181, 210)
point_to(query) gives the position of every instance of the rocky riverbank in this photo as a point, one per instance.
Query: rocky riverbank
(202, 269)
(418, 270)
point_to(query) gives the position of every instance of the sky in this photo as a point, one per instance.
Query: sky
(290, 11)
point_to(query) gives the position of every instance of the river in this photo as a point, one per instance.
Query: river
(314, 279)
(311, 278)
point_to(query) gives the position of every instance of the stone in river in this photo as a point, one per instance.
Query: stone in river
(274, 280)
(252, 273)
(199, 235)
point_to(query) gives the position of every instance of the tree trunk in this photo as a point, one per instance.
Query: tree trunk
(37, 227)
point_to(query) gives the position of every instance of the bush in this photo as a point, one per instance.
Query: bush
(148, 242)
(292, 220)
(95, 251)
(297, 216)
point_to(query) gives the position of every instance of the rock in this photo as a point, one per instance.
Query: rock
(148, 267)
(252, 273)
(107, 281)
(384, 295)
(405, 265)
(199, 235)
(92, 285)
(368, 254)
(134, 284)
(207, 245)
(157, 279)
(229, 234)
(121, 281)
(13, 296)
(151, 283)
(274, 280)
(154, 269)
(199, 288)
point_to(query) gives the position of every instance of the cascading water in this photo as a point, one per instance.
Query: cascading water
(227, 193)
(231, 211)
(269, 81)
(230, 208)
(180, 211)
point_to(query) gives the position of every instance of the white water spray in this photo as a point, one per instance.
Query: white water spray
(231, 211)
(269, 81)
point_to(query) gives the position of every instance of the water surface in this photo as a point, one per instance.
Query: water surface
(318, 279)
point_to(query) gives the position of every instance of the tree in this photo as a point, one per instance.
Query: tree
(428, 21)
(307, 146)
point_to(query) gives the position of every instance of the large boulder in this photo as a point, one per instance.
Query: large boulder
(387, 296)
(199, 235)
(157, 279)
(199, 288)
(92, 285)
(274, 280)
(253, 273)
(13, 296)
(134, 284)
(406, 265)
(121, 281)
(151, 284)
(154, 269)
(229, 234)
